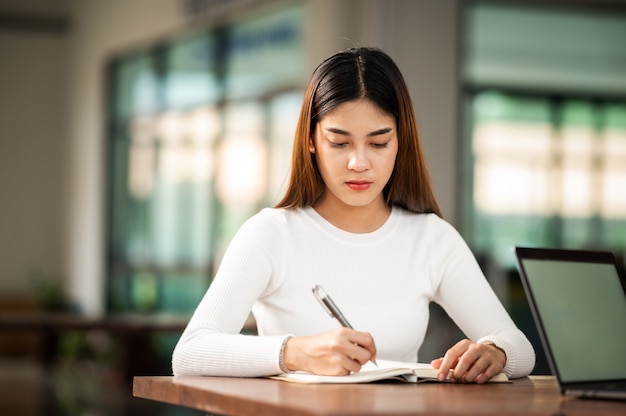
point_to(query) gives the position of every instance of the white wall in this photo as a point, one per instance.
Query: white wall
(32, 156)
(423, 37)
(101, 28)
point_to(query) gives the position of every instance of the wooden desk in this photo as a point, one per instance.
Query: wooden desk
(536, 395)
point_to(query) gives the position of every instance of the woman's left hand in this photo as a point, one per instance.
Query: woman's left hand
(470, 362)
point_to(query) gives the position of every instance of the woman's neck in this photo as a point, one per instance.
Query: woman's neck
(354, 219)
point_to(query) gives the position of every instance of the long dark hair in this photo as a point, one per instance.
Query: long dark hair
(350, 75)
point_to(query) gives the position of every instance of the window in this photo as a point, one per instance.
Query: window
(546, 171)
(545, 128)
(199, 139)
(544, 142)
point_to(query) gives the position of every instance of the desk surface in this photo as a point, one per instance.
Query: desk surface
(536, 395)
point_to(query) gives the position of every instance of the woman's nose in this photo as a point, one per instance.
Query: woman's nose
(358, 160)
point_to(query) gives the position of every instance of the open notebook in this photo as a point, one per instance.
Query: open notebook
(386, 370)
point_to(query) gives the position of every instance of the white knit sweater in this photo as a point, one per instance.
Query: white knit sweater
(383, 282)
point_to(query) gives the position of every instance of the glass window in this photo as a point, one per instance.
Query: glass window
(544, 137)
(612, 185)
(512, 155)
(191, 77)
(544, 140)
(195, 124)
(284, 110)
(545, 172)
(272, 43)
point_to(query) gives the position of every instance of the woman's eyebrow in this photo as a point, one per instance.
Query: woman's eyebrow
(378, 132)
(337, 131)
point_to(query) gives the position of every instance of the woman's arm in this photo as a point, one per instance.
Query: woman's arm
(211, 344)
(469, 300)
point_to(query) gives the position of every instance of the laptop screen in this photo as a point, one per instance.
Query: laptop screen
(581, 305)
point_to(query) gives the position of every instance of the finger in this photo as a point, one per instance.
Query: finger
(363, 346)
(478, 364)
(486, 375)
(436, 363)
(337, 363)
(448, 362)
(469, 365)
(356, 353)
(351, 365)
(365, 341)
(451, 357)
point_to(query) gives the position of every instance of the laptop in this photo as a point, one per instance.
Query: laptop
(578, 301)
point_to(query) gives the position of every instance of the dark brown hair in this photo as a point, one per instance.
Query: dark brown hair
(350, 75)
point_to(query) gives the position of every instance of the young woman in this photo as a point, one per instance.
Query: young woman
(360, 219)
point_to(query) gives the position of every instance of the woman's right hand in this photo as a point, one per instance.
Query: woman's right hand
(336, 353)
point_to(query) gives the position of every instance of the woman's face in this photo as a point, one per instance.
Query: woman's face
(355, 146)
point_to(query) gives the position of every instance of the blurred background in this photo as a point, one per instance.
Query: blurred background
(136, 136)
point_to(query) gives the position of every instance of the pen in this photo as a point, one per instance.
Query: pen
(332, 309)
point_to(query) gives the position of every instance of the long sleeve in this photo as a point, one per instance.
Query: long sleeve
(470, 301)
(212, 339)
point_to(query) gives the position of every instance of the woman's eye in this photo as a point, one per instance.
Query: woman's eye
(380, 145)
(336, 144)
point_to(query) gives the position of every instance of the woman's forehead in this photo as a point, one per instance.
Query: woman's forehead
(357, 108)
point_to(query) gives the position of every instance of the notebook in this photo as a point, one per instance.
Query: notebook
(384, 370)
(578, 301)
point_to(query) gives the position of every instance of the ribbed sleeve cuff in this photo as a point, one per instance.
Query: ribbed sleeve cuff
(257, 356)
(520, 360)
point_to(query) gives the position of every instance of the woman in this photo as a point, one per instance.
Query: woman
(360, 219)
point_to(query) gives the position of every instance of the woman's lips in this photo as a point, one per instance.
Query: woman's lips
(358, 185)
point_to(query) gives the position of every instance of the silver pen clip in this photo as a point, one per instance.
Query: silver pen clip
(320, 294)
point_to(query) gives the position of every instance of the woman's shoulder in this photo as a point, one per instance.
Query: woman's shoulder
(420, 219)
(264, 229)
(274, 216)
(272, 220)
(427, 225)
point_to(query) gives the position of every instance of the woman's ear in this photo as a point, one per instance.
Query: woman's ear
(311, 145)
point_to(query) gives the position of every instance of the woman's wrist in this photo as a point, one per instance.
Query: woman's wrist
(281, 356)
